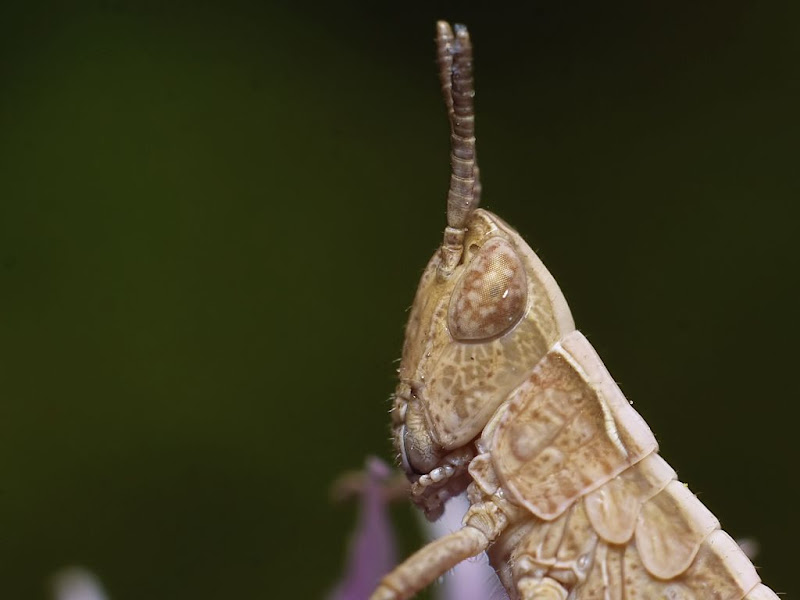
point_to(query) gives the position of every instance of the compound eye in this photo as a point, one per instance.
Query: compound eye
(491, 296)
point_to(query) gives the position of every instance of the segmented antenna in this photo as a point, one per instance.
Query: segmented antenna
(454, 56)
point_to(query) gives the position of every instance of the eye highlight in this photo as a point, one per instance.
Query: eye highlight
(491, 296)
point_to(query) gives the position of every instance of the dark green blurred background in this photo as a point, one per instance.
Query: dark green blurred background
(213, 217)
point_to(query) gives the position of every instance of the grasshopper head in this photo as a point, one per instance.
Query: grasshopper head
(474, 332)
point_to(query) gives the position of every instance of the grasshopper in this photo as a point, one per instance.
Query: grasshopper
(500, 396)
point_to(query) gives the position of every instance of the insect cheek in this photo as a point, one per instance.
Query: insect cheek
(491, 297)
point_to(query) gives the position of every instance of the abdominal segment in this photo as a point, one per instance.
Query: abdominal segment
(668, 546)
(605, 517)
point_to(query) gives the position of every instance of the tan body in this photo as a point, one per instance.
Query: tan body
(501, 396)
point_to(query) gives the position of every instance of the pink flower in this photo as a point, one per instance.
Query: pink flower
(372, 548)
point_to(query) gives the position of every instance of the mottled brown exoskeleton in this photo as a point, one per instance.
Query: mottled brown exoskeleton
(500, 396)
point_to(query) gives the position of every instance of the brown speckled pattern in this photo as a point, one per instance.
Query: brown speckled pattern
(568, 553)
(559, 436)
(457, 385)
(491, 296)
(462, 383)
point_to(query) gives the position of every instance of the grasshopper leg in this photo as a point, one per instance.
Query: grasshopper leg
(432, 561)
(483, 523)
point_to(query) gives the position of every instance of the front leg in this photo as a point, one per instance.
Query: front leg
(482, 524)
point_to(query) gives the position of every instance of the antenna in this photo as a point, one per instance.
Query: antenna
(454, 57)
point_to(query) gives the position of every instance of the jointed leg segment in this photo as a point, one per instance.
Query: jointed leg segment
(431, 562)
(482, 524)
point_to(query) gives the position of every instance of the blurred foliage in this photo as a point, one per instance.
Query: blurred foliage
(213, 216)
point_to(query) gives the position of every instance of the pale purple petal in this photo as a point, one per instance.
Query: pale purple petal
(372, 550)
(76, 583)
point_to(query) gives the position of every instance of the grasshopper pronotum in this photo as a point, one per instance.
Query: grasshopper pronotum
(500, 396)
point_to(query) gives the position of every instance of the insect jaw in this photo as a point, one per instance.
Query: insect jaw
(419, 450)
(431, 490)
(436, 474)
